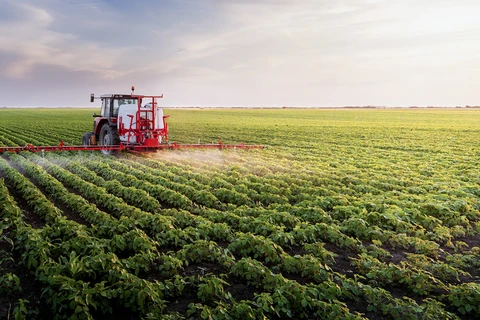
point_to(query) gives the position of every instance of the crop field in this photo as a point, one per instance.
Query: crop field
(348, 214)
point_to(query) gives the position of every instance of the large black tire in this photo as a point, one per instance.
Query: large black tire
(86, 139)
(109, 137)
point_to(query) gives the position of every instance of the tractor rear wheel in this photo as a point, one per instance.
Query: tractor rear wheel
(109, 137)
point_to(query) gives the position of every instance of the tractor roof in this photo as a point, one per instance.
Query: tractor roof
(109, 95)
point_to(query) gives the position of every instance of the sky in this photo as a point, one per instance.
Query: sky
(251, 53)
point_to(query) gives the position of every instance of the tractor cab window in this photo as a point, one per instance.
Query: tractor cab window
(119, 102)
(133, 101)
(116, 104)
(105, 107)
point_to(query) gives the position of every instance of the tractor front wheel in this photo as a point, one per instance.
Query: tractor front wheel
(87, 139)
(109, 137)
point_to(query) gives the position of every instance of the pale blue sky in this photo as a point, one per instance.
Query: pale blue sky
(242, 53)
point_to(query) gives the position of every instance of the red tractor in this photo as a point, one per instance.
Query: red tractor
(129, 120)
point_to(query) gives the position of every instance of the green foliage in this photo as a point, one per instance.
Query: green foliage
(9, 284)
(466, 298)
(347, 208)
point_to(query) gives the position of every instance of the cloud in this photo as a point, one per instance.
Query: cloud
(36, 42)
(194, 48)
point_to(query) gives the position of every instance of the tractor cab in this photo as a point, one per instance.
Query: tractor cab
(111, 103)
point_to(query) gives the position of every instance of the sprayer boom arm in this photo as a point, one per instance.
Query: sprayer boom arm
(133, 148)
